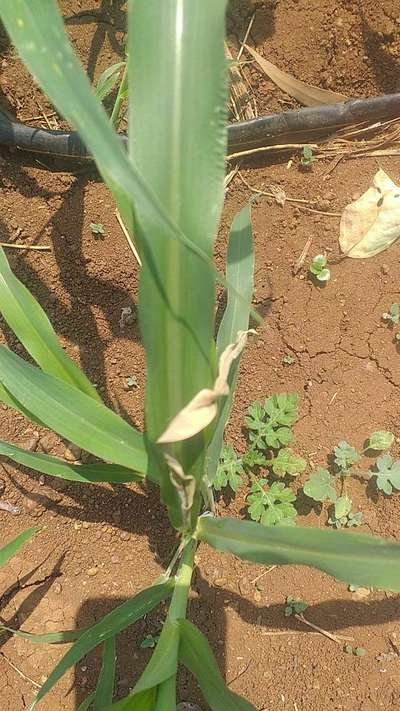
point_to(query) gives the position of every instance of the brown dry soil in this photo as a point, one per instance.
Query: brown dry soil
(98, 545)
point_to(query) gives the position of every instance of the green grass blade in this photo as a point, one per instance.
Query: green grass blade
(86, 703)
(166, 695)
(164, 660)
(239, 274)
(72, 414)
(62, 637)
(9, 400)
(53, 466)
(105, 685)
(196, 654)
(353, 557)
(177, 142)
(109, 626)
(11, 548)
(145, 701)
(30, 324)
(107, 80)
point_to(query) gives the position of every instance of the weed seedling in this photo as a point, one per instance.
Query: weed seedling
(387, 474)
(288, 360)
(393, 315)
(355, 651)
(318, 268)
(230, 469)
(97, 229)
(294, 606)
(149, 641)
(271, 506)
(307, 158)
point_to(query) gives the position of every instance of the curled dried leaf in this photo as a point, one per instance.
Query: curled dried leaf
(202, 409)
(372, 223)
(307, 94)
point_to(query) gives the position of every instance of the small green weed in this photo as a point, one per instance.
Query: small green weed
(393, 315)
(288, 359)
(149, 641)
(318, 268)
(97, 229)
(268, 425)
(307, 158)
(294, 606)
(355, 651)
(272, 506)
(322, 485)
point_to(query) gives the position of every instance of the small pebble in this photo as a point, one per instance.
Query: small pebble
(91, 572)
(124, 536)
(72, 452)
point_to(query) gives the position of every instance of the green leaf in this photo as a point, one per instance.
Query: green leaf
(294, 606)
(149, 641)
(342, 506)
(273, 506)
(85, 473)
(105, 685)
(388, 474)
(180, 123)
(72, 414)
(144, 701)
(393, 316)
(269, 422)
(287, 462)
(381, 440)
(164, 660)
(230, 470)
(319, 486)
(32, 327)
(86, 702)
(363, 560)
(62, 637)
(240, 275)
(11, 548)
(107, 80)
(253, 458)
(196, 654)
(109, 626)
(345, 455)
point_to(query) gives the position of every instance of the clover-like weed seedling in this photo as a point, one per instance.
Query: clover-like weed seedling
(294, 606)
(307, 158)
(269, 422)
(272, 506)
(393, 315)
(97, 229)
(318, 268)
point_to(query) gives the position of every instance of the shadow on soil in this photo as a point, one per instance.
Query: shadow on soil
(207, 611)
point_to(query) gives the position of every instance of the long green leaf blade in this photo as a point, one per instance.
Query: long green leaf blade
(86, 702)
(239, 274)
(105, 684)
(164, 660)
(84, 473)
(145, 701)
(48, 638)
(109, 626)
(72, 414)
(353, 557)
(177, 49)
(11, 548)
(196, 654)
(30, 324)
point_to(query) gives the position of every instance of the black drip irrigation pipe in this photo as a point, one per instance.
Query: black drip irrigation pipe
(288, 127)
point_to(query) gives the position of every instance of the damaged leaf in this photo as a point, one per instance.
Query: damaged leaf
(306, 94)
(372, 223)
(202, 409)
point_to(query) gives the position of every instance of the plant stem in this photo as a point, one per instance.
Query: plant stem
(179, 600)
(120, 97)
